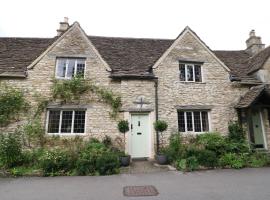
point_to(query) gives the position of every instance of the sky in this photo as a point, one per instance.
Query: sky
(221, 24)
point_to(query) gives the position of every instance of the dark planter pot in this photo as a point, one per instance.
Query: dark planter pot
(161, 159)
(125, 161)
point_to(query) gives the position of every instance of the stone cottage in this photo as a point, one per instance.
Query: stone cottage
(181, 81)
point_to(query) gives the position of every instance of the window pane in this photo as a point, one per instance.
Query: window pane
(181, 122)
(66, 122)
(198, 74)
(182, 72)
(61, 67)
(71, 68)
(190, 73)
(197, 122)
(80, 67)
(53, 123)
(189, 121)
(79, 122)
(205, 123)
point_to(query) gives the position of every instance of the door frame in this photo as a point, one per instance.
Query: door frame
(259, 110)
(128, 116)
(263, 129)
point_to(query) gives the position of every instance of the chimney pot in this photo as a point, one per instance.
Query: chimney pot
(254, 43)
(63, 26)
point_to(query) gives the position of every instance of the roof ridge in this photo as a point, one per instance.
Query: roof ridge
(128, 38)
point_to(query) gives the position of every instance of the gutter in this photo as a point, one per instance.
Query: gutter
(156, 111)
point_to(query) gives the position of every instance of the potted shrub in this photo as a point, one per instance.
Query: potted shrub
(161, 126)
(123, 127)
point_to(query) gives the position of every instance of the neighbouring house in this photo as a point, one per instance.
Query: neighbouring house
(182, 81)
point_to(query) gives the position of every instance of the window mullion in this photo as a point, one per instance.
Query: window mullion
(193, 67)
(186, 73)
(185, 117)
(201, 121)
(75, 70)
(72, 123)
(60, 122)
(192, 115)
(66, 68)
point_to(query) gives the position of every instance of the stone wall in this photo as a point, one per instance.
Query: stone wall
(216, 89)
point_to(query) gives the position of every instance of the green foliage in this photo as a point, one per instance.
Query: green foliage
(233, 160)
(258, 160)
(107, 164)
(56, 162)
(236, 132)
(34, 132)
(188, 164)
(107, 141)
(213, 142)
(69, 90)
(12, 102)
(160, 126)
(23, 171)
(207, 158)
(10, 150)
(176, 149)
(123, 126)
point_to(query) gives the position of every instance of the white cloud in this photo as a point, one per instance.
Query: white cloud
(221, 24)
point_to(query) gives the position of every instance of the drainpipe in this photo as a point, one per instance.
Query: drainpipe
(156, 109)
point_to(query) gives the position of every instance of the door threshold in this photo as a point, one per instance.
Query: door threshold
(140, 159)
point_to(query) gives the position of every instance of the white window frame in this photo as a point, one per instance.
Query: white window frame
(60, 122)
(75, 70)
(193, 124)
(193, 68)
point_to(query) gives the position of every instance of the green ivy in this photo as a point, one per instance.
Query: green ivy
(70, 90)
(12, 102)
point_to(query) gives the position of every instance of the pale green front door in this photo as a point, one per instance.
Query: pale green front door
(139, 140)
(257, 129)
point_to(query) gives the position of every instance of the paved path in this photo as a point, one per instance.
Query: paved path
(245, 184)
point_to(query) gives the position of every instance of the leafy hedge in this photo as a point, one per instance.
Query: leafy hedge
(73, 157)
(211, 150)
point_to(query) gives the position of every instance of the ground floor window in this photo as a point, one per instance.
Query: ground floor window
(66, 121)
(193, 121)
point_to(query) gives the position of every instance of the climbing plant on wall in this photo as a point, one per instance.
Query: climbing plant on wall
(12, 102)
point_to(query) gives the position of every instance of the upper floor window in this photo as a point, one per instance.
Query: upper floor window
(66, 121)
(67, 68)
(190, 72)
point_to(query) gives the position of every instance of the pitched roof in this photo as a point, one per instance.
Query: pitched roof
(257, 61)
(17, 53)
(251, 96)
(130, 56)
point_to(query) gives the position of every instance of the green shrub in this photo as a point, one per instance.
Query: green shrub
(12, 102)
(56, 162)
(86, 163)
(123, 126)
(34, 132)
(258, 160)
(10, 150)
(160, 125)
(107, 141)
(175, 150)
(233, 146)
(213, 142)
(107, 164)
(233, 160)
(207, 158)
(236, 132)
(188, 164)
(31, 157)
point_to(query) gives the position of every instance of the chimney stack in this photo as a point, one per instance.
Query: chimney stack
(63, 26)
(254, 43)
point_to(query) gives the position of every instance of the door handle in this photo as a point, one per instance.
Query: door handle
(139, 133)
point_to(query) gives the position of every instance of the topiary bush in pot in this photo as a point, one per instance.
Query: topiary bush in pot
(123, 127)
(161, 126)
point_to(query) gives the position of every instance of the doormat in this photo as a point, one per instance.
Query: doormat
(140, 191)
